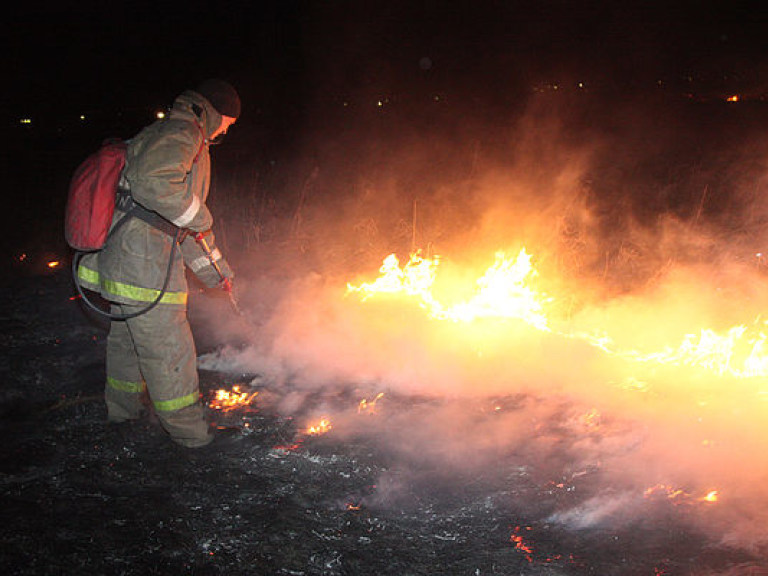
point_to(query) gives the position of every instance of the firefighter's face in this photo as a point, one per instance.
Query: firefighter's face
(226, 122)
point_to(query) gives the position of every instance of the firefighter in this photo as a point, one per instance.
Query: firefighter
(163, 189)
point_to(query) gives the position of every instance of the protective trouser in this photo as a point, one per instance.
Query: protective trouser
(155, 352)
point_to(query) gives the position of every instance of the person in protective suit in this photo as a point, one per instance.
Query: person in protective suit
(163, 190)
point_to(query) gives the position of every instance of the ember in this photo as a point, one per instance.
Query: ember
(521, 544)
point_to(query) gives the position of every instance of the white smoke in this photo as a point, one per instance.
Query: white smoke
(644, 282)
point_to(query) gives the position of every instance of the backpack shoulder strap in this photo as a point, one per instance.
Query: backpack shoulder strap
(199, 150)
(202, 142)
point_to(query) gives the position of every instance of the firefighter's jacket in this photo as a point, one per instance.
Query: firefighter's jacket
(168, 171)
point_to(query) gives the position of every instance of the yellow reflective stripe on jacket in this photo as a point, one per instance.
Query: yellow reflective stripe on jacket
(123, 386)
(136, 293)
(176, 403)
(87, 275)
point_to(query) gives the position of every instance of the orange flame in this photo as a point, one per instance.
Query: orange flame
(323, 426)
(712, 496)
(670, 493)
(369, 407)
(505, 291)
(502, 292)
(415, 279)
(664, 491)
(226, 400)
(738, 352)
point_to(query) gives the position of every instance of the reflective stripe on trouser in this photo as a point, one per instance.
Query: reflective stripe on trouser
(125, 384)
(157, 348)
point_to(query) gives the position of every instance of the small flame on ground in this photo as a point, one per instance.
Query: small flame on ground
(54, 264)
(670, 493)
(664, 491)
(323, 426)
(369, 406)
(712, 496)
(226, 400)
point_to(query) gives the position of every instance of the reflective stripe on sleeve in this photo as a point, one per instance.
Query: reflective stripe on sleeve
(136, 293)
(203, 261)
(123, 386)
(176, 403)
(189, 214)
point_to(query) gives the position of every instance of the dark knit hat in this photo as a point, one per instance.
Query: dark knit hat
(221, 95)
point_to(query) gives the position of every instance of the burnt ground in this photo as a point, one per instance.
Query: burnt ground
(80, 496)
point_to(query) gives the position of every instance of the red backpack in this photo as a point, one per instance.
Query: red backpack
(91, 205)
(91, 200)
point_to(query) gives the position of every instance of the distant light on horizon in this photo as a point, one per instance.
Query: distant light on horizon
(25, 121)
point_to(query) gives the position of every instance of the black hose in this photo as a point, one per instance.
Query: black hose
(76, 260)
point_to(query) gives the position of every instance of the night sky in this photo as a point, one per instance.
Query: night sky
(78, 72)
(284, 56)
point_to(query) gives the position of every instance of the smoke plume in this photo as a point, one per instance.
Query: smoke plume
(646, 242)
